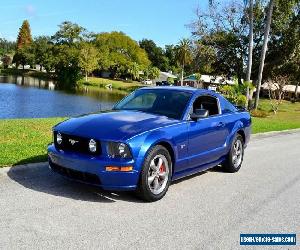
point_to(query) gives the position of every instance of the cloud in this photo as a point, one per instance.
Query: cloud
(30, 10)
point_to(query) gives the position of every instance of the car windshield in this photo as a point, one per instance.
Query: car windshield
(167, 102)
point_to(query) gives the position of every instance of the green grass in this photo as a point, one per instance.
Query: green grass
(288, 117)
(97, 82)
(25, 140)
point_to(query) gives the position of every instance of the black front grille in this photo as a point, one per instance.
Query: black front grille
(75, 144)
(76, 175)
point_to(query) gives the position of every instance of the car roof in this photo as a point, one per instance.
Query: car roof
(183, 88)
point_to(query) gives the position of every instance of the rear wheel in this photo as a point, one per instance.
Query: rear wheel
(156, 174)
(236, 154)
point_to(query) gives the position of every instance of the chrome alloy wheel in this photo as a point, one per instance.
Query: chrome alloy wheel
(158, 174)
(237, 153)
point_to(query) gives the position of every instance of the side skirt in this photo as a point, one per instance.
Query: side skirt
(197, 169)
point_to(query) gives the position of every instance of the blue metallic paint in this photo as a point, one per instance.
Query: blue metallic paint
(196, 146)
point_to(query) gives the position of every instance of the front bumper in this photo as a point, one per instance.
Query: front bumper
(91, 170)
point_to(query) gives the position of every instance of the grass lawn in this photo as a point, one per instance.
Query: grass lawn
(96, 82)
(25, 140)
(288, 117)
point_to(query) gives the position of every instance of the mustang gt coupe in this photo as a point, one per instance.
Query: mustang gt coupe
(151, 137)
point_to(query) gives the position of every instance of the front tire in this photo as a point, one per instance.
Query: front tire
(156, 174)
(235, 156)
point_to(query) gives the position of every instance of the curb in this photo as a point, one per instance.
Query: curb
(5, 170)
(274, 133)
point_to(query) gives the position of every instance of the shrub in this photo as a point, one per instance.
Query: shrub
(259, 113)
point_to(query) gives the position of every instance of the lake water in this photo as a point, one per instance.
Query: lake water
(28, 97)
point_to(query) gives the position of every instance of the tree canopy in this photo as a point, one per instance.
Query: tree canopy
(118, 52)
(24, 37)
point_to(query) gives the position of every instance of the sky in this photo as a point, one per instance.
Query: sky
(163, 21)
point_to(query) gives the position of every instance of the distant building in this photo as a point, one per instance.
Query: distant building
(206, 81)
(289, 90)
(163, 76)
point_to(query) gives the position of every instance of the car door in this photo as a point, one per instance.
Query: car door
(206, 136)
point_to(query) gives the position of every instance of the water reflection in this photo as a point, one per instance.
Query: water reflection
(25, 97)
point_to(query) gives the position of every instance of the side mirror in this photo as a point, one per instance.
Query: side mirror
(198, 114)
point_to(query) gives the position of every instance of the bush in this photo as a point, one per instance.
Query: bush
(236, 93)
(259, 113)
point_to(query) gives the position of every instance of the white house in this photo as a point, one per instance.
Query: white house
(163, 76)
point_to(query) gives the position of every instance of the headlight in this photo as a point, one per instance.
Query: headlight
(59, 138)
(92, 146)
(119, 150)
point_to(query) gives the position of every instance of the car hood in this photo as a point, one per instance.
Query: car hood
(114, 125)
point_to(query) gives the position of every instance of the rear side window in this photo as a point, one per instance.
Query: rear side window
(228, 107)
(209, 103)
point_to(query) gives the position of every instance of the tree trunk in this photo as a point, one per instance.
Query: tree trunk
(296, 91)
(86, 76)
(264, 50)
(250, 52)
(182, 72)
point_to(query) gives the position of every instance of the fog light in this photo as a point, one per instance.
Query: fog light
(58, 138)
(92, 146)
(120, 169)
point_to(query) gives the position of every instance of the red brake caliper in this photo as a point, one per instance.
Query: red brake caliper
(162, 168)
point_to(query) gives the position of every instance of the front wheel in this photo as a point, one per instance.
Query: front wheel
(235, 156)
(155, 175)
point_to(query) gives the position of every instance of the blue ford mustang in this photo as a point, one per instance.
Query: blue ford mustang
(151, 137)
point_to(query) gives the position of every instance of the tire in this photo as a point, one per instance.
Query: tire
(156, 174)
(234, 159)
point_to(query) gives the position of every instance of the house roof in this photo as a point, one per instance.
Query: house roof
(167, 74)
(274, 86)
(209, 79)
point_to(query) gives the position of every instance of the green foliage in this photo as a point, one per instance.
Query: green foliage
(6, 61)
(236, 93)
(118, 53)
(69, 33)
(184, 52)
(43, 52)
(151, 73)
(170, 53)
(7, 47)
(67, 66)
(170, 80)
(24, 56)
(197, 77)
(134, 71)
(155, 54)
(88, 58)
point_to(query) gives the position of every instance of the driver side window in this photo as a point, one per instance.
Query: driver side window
(209, 103)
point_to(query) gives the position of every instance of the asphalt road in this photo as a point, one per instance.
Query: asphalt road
(40, 210)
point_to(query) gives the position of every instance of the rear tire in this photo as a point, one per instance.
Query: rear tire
(156, 174)
(235, 156)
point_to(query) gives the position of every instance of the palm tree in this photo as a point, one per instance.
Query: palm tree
(184, 55)
(134, 71)
(250, 48)
(264, 50)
